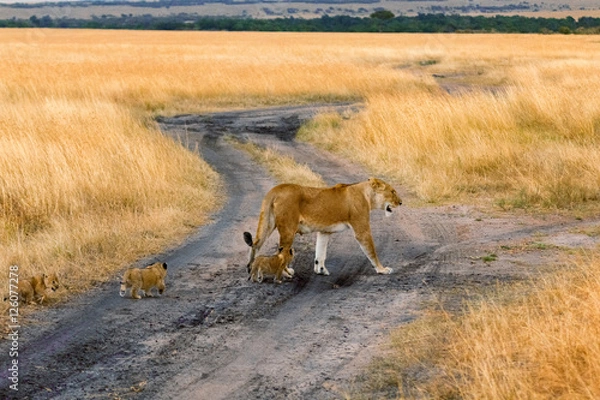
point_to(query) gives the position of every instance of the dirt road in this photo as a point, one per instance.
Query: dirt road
(216, 335)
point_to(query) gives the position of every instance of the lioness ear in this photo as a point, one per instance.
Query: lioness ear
(376, 184)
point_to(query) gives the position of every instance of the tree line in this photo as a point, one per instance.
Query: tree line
(381, 21)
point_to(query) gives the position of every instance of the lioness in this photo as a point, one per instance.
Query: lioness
(144, 279)
(276, 265)
(34, 288)
(299, 209)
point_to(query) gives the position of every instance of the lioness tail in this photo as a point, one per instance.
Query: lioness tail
(248, 238)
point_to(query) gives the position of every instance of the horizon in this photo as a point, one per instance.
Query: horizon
(307, 9)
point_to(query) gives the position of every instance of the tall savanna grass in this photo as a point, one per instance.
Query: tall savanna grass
(521, 127)
(166, 72)
(543, 344)
(283, 168)
(87, 188)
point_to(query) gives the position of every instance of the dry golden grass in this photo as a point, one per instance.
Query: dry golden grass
(187, 71)
(86, 189)
(284, 168)
(541, 343)
(524, 131)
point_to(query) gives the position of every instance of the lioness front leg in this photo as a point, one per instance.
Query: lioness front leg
(368, 247)
(321, 253)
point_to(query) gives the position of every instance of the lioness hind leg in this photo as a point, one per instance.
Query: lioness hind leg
(286, 239)
(266, 226)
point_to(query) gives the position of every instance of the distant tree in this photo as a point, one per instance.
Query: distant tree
(44, 22)
(565, 30)
(382, 15)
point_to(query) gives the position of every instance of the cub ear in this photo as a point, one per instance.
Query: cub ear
(291, 251)
(280, 250)
(248, 238)
(164, 265)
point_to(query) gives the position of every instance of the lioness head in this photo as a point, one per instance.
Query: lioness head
(385, 197)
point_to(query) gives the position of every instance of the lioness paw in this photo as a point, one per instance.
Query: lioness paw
(385, 271)
(322, 271)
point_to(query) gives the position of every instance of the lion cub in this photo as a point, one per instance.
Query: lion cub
(144, 279)
(276, 265)
(34, 288)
